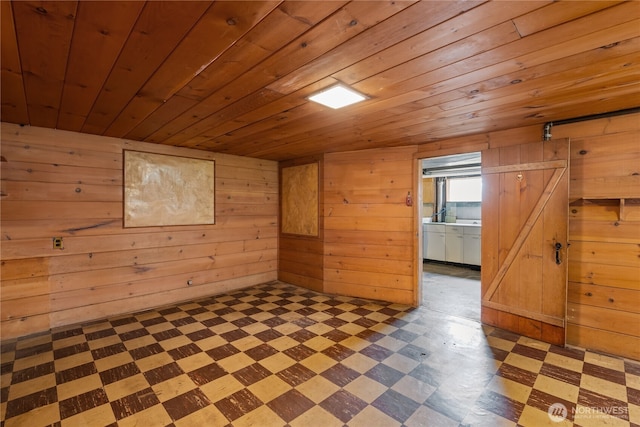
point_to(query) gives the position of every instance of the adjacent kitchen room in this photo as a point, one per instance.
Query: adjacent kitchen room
(451, 227)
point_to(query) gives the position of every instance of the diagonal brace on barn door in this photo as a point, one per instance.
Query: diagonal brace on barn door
(560, 168)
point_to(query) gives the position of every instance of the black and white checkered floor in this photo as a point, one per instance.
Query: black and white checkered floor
(280, 355)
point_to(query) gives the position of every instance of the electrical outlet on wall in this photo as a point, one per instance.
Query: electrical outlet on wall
(57, 243)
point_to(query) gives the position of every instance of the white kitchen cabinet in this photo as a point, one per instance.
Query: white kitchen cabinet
(471, 242)
(451, 242)
(454, 244)
(434, 243)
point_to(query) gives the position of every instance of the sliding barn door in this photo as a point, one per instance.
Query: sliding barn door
(524, 239)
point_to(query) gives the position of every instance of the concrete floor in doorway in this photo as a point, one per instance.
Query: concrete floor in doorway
(451, 289)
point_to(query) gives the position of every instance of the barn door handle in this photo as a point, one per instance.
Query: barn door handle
(558, 247)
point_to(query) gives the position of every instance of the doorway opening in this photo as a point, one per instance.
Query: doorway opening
(451, 234)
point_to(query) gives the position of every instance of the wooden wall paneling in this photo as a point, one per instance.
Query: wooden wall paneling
(33, 229)
(365, 195)
(43, 209)
(86, 262)
(606, 341)
(608, 319)
(104, 269)
(14, 102)
(302, 259)
(24, 325)
(618, 276)
(609, 297)
(304, 279)
(516, 136)
(596, 157)
(602, 172)
(607, 253)
(41, 246)
(453, 146)
(23, 191)
(597, 127)
(142, 302)
(366, 238)
(345, 285)
(97, 278)
(380, 251)
(604, 259)
(148, 279)
(23, 289)
(619, 230)
(305, 270)
(37, 136)
(21, 308)
(62, 155)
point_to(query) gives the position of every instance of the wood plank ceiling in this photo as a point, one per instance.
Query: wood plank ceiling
(233, 76)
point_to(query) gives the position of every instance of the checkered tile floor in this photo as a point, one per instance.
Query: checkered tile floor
(279, 355)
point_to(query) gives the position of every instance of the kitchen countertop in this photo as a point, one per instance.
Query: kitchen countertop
(462, 224)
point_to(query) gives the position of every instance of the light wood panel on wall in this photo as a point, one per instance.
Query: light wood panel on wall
(69, 185)
(369, 230)
(604, 229)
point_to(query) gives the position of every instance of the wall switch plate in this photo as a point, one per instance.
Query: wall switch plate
(57, 243)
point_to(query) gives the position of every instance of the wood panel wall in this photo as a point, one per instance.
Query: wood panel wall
(603, 310)
(369, 232)
(301, 258)
(69, 185)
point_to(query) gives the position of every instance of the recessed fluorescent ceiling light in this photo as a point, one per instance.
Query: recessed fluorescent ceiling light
(337, 96)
